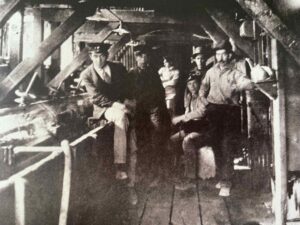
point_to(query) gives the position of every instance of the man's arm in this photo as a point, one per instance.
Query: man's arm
(196, 114)
(173, 81)
(204, 88)
(243, 82)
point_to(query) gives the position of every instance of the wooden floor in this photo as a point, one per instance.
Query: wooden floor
(99, 199)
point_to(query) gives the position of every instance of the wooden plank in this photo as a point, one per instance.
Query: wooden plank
(273, 25)
(249, 206)
(231, 28)
(44, 50)
(213, 208)
(146, 16)
(69, 69)
(158, 206)
(186, 208)
(97, 37)
(8, 9)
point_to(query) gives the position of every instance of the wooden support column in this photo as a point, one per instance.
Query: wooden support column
(44, 50)
(273, 25)
(8, 9)
(231, 28)
(280, 150)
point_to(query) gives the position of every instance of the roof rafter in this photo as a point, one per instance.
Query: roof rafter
(231, 28)
(49, 45)
(8, 9)
(273, 25)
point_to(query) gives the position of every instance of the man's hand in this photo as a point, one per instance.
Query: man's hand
(177, 119)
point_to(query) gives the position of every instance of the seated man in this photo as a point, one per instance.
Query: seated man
(105, 83)
(194, 132)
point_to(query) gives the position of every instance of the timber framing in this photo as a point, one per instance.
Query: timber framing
(8, 9)
(49, 45)
(273, 25)
(100, 36)
(69, 69)
(231, 28)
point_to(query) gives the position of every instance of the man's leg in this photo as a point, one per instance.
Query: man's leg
(160, 122)
(190, 148)
(121, 123)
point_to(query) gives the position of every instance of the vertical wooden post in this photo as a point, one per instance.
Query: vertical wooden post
(65, 198)
(280, 151)
(20, 201)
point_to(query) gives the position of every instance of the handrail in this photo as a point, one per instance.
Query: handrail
(19, 182)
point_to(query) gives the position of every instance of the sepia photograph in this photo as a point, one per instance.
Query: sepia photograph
(145, 112)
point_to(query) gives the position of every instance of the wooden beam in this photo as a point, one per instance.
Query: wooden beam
(273, 25)
(117, 46)
(97, 37)
(211, 28)
(44, 50)
(231, 28)
(8, 9)
(69, 69)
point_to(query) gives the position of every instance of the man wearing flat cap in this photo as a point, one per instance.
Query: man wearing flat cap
(152, 117)
(105, 82)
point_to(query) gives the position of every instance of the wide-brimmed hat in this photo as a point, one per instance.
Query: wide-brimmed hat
(98, 47)
(224, 44)
(198, 50)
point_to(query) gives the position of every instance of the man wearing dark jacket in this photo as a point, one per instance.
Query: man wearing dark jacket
(146, 88)
(106, 84)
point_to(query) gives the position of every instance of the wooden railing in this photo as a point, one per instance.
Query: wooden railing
(19, 182)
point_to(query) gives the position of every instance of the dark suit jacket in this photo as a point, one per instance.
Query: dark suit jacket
(102, 94)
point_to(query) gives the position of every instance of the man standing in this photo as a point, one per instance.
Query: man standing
(105, 83)
(220, 92)
(152, 117)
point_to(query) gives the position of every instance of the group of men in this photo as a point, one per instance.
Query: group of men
(135, 101)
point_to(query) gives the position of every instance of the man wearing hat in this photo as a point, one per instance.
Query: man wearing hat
(105, 82)
(199, 58)
(220, 92)
(152, 117)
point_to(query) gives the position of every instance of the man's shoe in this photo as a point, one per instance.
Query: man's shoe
(133, 198)
(121, 175)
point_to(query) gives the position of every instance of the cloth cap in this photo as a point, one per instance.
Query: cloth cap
(98, 47)
(224, 44)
